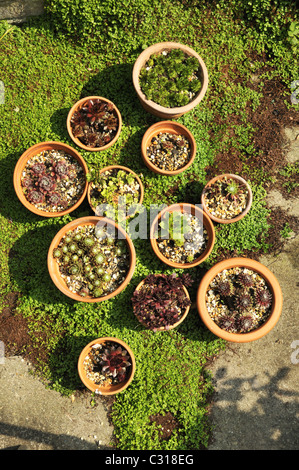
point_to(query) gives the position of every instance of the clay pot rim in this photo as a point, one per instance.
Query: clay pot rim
(112, 389)
(171, 127)
(120, 167)
(53, 267)
(34, 150)
(207, 223)
(77, 141)
(277, 299)
(238, 217)
(157, 47)
(171, 327)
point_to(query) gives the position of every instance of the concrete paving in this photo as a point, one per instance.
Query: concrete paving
(33, 417)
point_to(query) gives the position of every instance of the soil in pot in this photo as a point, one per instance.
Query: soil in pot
(118, 188)
(169, 152)
(95, 123)
(92, 261)
(170, 78)
(182, 237)
(239, 300)
(161, 302)
(107, 364)
(53, 181)
(226, 198)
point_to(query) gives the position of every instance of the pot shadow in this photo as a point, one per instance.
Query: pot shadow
(114, 83)
(58, 125)
(68, 348)
(28, 264)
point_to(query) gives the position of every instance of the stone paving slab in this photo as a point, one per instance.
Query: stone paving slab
(37, 418)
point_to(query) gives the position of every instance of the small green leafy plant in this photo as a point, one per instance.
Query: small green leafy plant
(170, 78)
(118, 189)
(175, 227)
(293, 33)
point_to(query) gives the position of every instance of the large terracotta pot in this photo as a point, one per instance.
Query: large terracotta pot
(78, 105)
(272, 283)
(196, 211)
(171, 128)
(117, 167)
(149, 105)
(170, 327)
(238, 217)
(108, 389)
(54, 268)
(31, 152)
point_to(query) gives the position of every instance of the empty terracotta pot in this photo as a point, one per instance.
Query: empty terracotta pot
(171, 128)
(270, 279)
(195, 211)
(77, 141)
(53, 266)
(106, 389)
(151, 106)
(35, 150)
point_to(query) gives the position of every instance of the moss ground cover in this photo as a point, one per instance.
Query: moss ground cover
(45, 72)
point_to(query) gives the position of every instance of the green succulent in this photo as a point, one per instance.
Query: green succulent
(170, 78)
(175, 228)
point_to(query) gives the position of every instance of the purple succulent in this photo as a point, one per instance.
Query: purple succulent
(35, 197)
(161, 300)
(116, 361)
(46, 184)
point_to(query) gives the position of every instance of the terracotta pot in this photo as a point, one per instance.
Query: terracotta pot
(76, 106)
(272, 283)
(194, 210)
(170, 327)
(118, 167)
(107, 389)
(149, 105)
(172, 128)
(54, 268)
(31, 152)
(240, 216)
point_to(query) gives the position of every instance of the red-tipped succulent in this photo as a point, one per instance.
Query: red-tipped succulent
(95, 124)
(115, 361)
(161, 300)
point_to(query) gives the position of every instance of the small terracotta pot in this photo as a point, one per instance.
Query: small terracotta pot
(107, 389)
(194, 210)
(171, 128)
(221, 177)
(118, 167)
(273, 285)
(31, 152)
(151, 106)
(171, 327)
(78, 105)
(54, 268)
